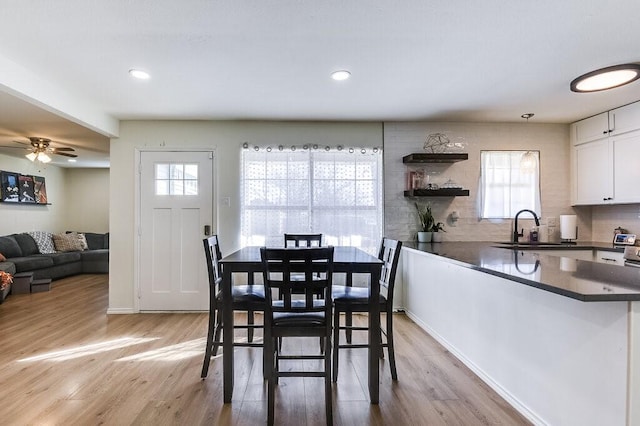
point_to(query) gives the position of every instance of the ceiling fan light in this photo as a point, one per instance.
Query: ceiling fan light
(44, 158)
(32, 156)
(606, 78)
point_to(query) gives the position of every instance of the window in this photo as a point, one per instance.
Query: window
(509, 182)
(176, 179)
(336, 193)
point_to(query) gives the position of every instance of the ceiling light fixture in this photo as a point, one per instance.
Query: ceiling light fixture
(340, 75)
(606, 78)
(139, 74)
(39, 156)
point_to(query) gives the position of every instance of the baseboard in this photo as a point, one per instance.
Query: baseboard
(505, 394)
(119, 311)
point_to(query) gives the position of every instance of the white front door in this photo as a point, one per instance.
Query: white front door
(176, 204)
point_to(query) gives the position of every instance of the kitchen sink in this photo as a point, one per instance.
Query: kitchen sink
(538, 245)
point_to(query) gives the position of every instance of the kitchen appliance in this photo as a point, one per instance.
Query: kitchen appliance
(624, 239)
(632, 256)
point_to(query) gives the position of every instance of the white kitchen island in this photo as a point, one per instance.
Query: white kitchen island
(524, 325)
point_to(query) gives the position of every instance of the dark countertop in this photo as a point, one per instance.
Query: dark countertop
(583, 280)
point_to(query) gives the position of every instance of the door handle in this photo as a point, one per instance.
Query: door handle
(207, 230)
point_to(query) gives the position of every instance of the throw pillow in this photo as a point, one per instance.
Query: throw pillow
(44, 241)
(2, 258)
(66, 242)
(83, 241)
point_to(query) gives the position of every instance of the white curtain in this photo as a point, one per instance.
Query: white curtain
(334, 192)
(508, 184)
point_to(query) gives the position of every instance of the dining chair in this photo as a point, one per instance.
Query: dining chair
(349, 299)
(302, 240)
(249, 298)
(297, 315)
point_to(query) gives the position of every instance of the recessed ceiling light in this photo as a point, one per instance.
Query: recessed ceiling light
(340, 75)
(606, 78)
(142, 75)
(71, 160)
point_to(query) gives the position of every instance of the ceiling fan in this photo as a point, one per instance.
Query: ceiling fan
(40, 149)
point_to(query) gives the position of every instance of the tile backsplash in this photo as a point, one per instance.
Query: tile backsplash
(606, 218)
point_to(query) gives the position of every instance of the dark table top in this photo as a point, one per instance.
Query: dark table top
(538, 267)
(342, 255)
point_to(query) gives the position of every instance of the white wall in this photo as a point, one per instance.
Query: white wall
(226, 139)
(403, 138)
(16, 218)
(87, 200)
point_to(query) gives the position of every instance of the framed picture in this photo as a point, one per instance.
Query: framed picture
(39, 190)
(25, 193)
(10, 187)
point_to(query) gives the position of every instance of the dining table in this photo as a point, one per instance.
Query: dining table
(346, 259)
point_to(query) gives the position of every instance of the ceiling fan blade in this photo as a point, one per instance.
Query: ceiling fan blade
(63, 148)
(23, 143)
(15, 147)
(65, 154)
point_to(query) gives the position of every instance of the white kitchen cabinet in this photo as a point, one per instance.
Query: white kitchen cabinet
(592, 128)
(615, 122)
(592, 173)
(624, 119)
(610, 257)
(606, 163)
(626, 167)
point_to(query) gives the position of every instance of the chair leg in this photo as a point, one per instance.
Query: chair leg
(210, 339)
(348, 322)
(336, 343)
(216, 336)
(269, 365)
(250, 329)
(392, 354)
(328, 397)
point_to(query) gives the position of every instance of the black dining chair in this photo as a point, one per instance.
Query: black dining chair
(349, 299)
(249, 298)
(297, 315)
(302, 240)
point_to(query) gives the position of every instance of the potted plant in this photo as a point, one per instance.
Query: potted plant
(437, 235)
(427, 223)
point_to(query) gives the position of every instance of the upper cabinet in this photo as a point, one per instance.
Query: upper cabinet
(605, 155)
(615, 122)
(416, 188)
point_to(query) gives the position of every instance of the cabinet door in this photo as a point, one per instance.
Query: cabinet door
(593, 173)
(591, 128)
(626, 167)
(624, 119)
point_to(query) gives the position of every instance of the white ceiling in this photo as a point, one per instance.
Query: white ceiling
(63, 65)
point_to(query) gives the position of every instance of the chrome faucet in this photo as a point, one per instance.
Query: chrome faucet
(517, 234)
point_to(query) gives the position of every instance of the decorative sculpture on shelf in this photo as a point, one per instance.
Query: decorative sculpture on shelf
(438, 143)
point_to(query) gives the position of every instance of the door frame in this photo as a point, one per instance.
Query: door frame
(137, 291)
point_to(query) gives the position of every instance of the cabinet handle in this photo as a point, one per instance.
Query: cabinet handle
(605, 132)
(608, 259)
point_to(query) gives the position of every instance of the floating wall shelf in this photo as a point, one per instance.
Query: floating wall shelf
(452, 157)
(444, 192)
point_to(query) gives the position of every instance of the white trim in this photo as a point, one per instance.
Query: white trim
(121, 311)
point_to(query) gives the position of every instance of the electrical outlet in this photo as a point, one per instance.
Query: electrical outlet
(552, 222)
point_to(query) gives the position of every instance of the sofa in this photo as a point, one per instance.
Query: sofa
(55, 256)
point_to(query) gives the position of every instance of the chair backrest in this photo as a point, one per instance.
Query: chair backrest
(283, 268)
(389, 253)
(302, 240)
(213, 255)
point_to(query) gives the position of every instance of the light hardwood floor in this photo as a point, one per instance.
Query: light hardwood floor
(63, 361)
